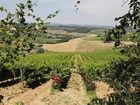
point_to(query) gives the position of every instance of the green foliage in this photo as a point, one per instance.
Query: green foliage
(40, 50)
(124, 75)
(37, 68)
(130, 20)
(16, 34)
(51, 38)
(94, 38)
(98, 59)
(108, 37)
(60, 78)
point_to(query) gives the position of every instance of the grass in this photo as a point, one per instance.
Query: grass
(99, 37)
(93, 46)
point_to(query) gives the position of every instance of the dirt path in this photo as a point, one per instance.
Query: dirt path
(75, 94)
(32, 96)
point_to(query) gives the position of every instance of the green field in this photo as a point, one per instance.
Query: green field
(98, 58)
(65, 60)
(127, 37)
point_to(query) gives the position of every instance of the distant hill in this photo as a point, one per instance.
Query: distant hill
(76, 25)
(77, 28)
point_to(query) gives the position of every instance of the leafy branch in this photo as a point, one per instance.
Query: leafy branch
(16, 32)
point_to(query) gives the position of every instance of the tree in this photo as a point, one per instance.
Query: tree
(130, 20)
(124, 75)
(16, 33)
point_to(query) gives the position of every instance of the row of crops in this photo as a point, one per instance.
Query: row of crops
(39, 67)
(120, 72)
(109, 66)
(90, 64)
(94, 65)
(88, 60)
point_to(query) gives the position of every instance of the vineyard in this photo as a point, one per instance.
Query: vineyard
(35, 65)
(35, 69)
(97, 68)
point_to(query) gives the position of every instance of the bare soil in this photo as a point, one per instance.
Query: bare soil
(74, 94)
(30, 96)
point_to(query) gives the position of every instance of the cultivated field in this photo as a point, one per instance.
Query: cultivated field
(70, 59)
(69, 46)
(43, 63)
(79, 45)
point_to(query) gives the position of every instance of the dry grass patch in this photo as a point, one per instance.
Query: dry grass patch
(103, 90)
(78, 45)
(69, 46)
(91, 46)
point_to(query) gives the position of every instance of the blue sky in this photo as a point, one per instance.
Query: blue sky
(92, 12)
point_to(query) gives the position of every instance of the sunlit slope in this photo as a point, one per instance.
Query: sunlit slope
(79, 45)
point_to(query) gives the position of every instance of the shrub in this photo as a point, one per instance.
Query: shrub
(123, 76)
(60, 78)
(37, 45)
(40, 50)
